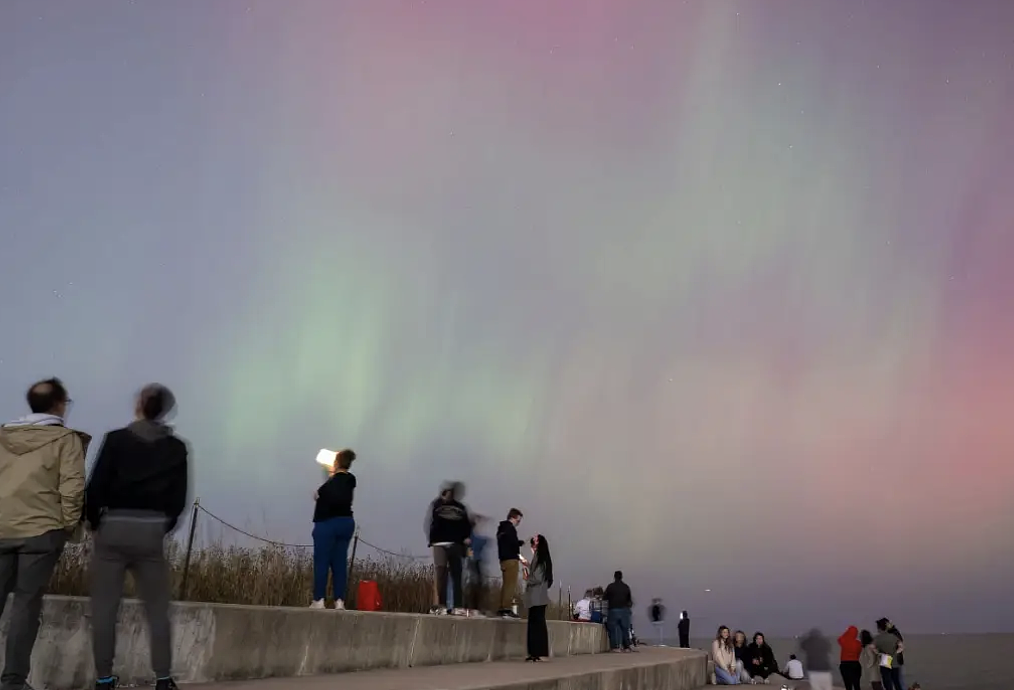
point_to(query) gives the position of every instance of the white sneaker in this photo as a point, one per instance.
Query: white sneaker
(317, 604)
(459, 612)
(339, 605)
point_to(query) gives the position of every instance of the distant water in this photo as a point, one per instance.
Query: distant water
(937, 662)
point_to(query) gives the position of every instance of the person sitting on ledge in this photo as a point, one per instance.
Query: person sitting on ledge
(724, 656)
(760, 659)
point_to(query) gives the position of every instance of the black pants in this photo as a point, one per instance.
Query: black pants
(450, 564)
(851, 674)
(685, 641)
(25, 568)
(538, 633)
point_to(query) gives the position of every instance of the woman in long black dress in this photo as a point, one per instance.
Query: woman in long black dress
(540, 579)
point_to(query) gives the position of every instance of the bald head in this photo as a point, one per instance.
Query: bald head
(154, 402)
(48, 397)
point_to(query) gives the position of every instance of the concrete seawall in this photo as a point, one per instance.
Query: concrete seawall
(214, 642)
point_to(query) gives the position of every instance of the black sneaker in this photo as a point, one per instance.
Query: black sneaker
(110, 684)
(166, 684)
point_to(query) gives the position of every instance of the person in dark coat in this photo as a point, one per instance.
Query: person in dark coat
(760, 658)
(684, 630)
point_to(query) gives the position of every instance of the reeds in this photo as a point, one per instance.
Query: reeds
(274, 576)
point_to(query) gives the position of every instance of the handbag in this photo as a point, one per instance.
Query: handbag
(886, 661)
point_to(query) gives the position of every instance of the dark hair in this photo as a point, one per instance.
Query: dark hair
(756, 635)
(514, 513)
(344, 458)
(618, 575)
(43, 396)
(727, 643)
(544, 560)
(865, 638)
(156, 401)
(792, 656)
(882, 624)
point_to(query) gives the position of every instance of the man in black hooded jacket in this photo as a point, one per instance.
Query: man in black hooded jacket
(134, 498)
(508, 548)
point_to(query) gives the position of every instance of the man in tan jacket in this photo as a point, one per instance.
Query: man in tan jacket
(42, 481)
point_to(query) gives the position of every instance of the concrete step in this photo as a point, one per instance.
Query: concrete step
(647, 669)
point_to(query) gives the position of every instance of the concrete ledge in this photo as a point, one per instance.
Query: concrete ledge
(215, 642)
(651, 669)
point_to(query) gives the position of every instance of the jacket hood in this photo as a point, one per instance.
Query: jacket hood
(24, 438)
(149, 431)
(851, 632)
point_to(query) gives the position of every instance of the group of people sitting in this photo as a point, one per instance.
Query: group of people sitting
(867, 662)
(737, 661)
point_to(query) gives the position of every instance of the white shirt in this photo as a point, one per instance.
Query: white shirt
(583, 609)
(795, 669)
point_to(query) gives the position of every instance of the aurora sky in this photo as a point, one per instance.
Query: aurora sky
(716, 292)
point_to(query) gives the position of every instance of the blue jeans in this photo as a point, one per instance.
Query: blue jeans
(619, 628)
(725, 678)
(890, 678)
(331, 552)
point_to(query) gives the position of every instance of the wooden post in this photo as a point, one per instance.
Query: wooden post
(190, 548)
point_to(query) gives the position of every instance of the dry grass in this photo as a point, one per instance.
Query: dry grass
(274, 576)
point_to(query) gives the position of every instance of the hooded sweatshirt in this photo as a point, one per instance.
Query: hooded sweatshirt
(142, 467)
(42, 476)
(850, 645)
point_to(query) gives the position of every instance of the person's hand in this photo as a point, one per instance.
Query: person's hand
(468, 541)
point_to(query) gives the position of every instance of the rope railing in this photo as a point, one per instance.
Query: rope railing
(357, 540)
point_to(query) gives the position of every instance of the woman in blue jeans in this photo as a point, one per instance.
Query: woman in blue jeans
(333, 527)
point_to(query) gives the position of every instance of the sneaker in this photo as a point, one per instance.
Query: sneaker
(510, 615)
(109, 684)
(339, 605)
(317, 604)
(434, 610)
(459, 612)
(166, 684)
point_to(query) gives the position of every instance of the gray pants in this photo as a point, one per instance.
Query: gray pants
(130, 541)
(26, 565)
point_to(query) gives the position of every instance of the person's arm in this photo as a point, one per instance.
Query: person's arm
(177, 500)
(535, 575)
(96, 492)
(428, 523)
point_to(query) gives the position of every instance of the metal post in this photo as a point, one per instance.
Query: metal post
(570, 605)
(190, 548)
(559, 598)
(352, 562)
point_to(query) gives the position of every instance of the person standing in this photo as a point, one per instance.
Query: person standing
(540, 579)
(476, 556)
(850, 668)
(42, 481)
(620, 602)
(449, 535)
(135, 496)
(869, 661)
(899, 667)
(817, 650)
(888, 646)
(684, 630)
(508, 547)
(333, 529)
(656, 612)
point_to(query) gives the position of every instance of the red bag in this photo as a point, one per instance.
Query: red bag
(368, 596)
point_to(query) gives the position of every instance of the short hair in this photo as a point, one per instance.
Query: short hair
(344, 458)
(514, 513)
(156, 401)
(43, 396)
(792, 656)
(882, 624)
(618, 575)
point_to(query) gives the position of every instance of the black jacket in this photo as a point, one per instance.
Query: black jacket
(618, 595)
(767, 664)
(450, 522)
(140, 467)
(508, 545)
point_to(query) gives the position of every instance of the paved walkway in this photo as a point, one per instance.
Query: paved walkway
(460, 676)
